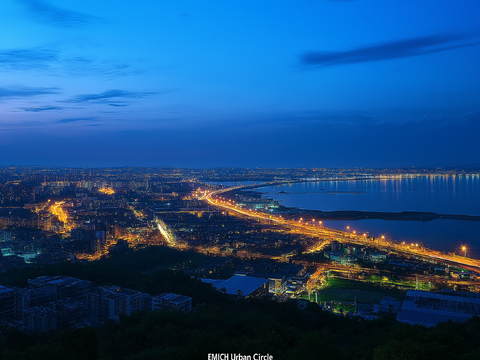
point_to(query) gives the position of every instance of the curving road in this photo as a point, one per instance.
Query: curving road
(316, 229)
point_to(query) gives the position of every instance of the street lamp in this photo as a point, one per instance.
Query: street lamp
(464, 248)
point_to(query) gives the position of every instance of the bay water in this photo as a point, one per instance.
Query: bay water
(448, 194)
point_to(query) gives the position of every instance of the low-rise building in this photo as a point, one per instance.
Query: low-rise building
(70, 312)
(38, 296)
(10, 303)
(377, 257)
(429, 308)
(389, 305)
(65, 286)
(39, 319)
(109, 302)
(242, 286)
(276, 284)
(172, 302)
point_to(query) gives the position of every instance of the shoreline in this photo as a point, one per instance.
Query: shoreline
(351, 214)
(375, 215)
(363, 215)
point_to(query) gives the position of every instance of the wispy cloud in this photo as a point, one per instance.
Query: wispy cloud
(80, 66)
(26, 59)
(52, 15)
(19, 91)
(418, 46)
(51, 61)
(118, 105)
(70, 120)
(42, 108)
(449, 120)
(108, 95)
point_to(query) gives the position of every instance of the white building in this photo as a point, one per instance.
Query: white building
(429, 308)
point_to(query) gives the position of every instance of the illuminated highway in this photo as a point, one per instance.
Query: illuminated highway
(315, 228)
(57, 210)
(167, 234)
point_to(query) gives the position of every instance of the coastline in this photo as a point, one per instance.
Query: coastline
(358, 214)
(375, 215)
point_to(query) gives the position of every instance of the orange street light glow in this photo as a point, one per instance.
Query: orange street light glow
(107, 191)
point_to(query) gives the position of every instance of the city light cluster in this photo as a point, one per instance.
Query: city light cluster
(107, 191)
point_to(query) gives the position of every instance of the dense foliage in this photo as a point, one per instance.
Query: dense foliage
(223, 325)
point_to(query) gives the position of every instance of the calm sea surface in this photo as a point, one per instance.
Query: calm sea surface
(458, 195)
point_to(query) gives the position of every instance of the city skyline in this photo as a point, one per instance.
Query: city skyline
(108, 252)
(305, 84)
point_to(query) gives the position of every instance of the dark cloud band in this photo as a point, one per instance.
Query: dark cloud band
(26, 59)
(386, 51)
(70, 120)
(42, 108)
(107, 95)
(55, 16)
(25, 91)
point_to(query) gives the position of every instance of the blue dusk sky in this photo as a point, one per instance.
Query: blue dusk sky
(304, 83)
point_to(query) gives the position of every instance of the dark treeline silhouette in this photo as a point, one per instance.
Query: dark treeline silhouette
(223, 325)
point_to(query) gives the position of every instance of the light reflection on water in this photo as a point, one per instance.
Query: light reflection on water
(459, 195)
(441, 194)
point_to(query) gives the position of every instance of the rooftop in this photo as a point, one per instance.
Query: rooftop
(427, 308)
(174, 298)
(245, 284)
